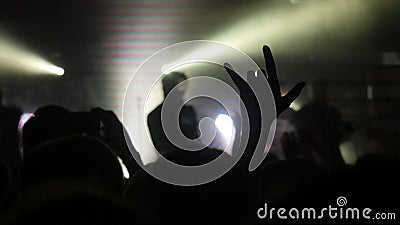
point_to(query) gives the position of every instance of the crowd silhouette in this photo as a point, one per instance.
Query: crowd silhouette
(70, 170)
(187, 115)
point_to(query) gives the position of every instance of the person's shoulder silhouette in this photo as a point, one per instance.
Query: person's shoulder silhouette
(187, 114)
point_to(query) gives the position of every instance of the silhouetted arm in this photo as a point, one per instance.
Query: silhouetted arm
(251, 102)
(115, 138)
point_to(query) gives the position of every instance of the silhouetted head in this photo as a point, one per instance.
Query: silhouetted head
(77, 159)
(172, 79)
(49, 122)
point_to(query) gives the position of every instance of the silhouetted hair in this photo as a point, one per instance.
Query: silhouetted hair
(77, 158)
(170, 80)
(49, 122)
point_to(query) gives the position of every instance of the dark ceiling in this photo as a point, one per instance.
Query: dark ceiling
(73, 34)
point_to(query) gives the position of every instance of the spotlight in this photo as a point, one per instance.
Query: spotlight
(51, 69)
(14, 58)
(224, 123)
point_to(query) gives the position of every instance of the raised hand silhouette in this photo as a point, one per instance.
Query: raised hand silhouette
(257, 134)
(281, 102)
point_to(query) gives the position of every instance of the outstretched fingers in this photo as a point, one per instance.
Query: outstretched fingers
(281, 102)
(272, 76)
(234, 76)
(292, 94)
(242, 85)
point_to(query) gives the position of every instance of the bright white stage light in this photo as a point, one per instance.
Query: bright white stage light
(16, 59)
(224, 123)
(50, 68)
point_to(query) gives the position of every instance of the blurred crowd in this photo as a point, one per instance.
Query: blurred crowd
(66, 167)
